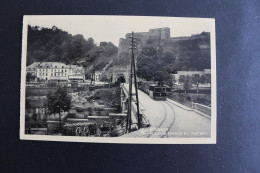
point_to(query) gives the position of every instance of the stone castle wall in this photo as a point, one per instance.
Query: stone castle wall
(160, 33)
(157, 33)
(123, 46)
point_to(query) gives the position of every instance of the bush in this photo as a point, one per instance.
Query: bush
(111, 96)
(52, 84)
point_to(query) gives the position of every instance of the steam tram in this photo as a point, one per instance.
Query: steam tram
(155, 91)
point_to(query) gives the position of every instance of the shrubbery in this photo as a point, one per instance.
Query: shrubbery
(110, 96)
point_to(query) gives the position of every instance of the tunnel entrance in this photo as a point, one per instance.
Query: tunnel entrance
(121, 79)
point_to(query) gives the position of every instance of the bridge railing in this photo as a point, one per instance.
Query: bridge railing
(144, 120)
(202, 108)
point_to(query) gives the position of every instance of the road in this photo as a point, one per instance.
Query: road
(170, 121)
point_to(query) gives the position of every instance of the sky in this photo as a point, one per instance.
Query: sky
(111, 28)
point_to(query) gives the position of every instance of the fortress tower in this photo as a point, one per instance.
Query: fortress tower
(123, 45)
(160, 33)
(157, 33)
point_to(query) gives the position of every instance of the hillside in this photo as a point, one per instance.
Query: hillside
(45, 44)
(56, 45)
(104, 55)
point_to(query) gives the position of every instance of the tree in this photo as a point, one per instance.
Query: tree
(155, 65)
(173, 79)
(196, 80)
(187, 83)
(58, 101)
(207, 78)
(30, 77)
(182, 78)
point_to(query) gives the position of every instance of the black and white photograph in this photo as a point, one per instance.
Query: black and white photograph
(118, 79)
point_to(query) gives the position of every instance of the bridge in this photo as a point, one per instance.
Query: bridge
(166, 119)
(124, 106)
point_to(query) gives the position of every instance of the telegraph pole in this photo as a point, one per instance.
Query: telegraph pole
(130, 91)
(132, 72)
(136, 94)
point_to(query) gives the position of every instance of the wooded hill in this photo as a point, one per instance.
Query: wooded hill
(56, 45)
(157, 59)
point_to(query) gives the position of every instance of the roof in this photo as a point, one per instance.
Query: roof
(52, 65)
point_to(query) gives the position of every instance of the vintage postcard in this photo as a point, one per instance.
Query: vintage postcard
(118, 79)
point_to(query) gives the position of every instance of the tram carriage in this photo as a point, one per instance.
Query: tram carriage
(155, 91)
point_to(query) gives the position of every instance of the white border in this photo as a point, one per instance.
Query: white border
(124, 140)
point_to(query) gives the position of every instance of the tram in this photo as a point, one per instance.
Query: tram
(155, 91)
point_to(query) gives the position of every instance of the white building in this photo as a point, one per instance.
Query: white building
(98, 75)
(56, 71)
(190, 73)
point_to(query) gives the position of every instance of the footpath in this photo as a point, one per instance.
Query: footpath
(188, 109)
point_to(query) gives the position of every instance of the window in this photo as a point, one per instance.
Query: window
(158, 90)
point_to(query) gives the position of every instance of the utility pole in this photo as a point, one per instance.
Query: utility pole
(129, 112)
(132, 72)
(94, 75)
(136, 94)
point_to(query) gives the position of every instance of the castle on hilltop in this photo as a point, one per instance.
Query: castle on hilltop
(160, 34)
(157, 33)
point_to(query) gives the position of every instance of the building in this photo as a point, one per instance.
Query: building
(157, 33)
(98, 75)
(35, 109)
(56, 72)
(190, 73)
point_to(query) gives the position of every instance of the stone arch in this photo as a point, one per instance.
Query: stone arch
(120, 78)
